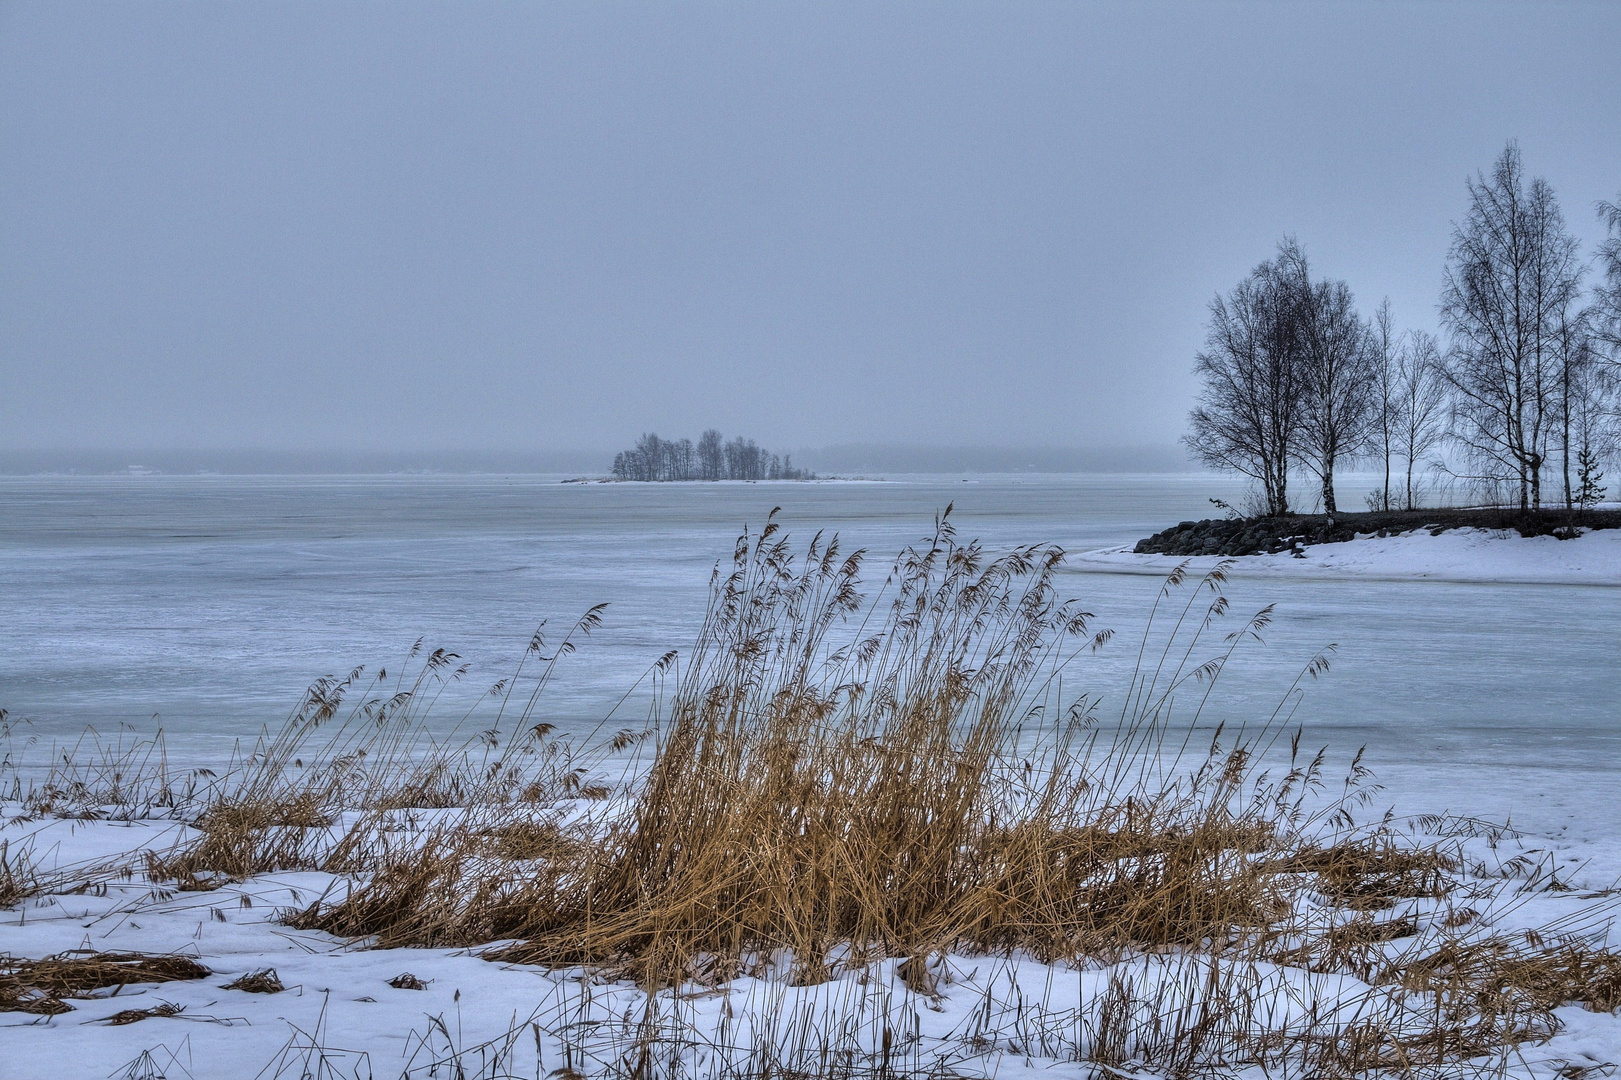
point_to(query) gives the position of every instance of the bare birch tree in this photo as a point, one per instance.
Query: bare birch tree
(1510, 273)
(1336, 384)
(1383, 348)
(1607, 304)
(1420, 405)
(1248, 414)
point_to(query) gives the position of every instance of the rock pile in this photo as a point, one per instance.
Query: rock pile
(1295, 532)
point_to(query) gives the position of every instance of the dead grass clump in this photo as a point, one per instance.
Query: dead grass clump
(135, 1016)
(241, 838)
(1507, 974)
(70, 974)
(1363, 931)
(407, 981)
(1371, 874)
(883, 793)
(365, 745)
(17, 996)
(528, 840)
(118, 778)
(41, 985)
(263, 981)
(471, 880)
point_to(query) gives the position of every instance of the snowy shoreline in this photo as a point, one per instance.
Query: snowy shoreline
(1497, 556)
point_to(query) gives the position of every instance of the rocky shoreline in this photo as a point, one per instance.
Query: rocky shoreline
(1295, 532)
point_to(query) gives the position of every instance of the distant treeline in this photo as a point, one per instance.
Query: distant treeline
(711, 458)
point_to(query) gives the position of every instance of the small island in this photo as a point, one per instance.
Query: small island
(711, 458)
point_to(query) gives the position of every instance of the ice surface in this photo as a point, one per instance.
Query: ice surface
(207, 604)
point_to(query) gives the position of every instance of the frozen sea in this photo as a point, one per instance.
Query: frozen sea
(206, 604)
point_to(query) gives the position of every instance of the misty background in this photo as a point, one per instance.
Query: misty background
(353, 236)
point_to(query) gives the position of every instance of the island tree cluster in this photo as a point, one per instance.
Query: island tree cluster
(712, 457)
(1522, 391)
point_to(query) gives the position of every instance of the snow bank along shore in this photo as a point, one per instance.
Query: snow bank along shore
(1480, 555)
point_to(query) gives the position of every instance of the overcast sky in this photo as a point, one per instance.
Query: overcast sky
(513, 226)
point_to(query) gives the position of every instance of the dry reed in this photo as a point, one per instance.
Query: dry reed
(40, 986)
(263, 981)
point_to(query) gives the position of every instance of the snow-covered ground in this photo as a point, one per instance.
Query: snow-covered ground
(1464, 555)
